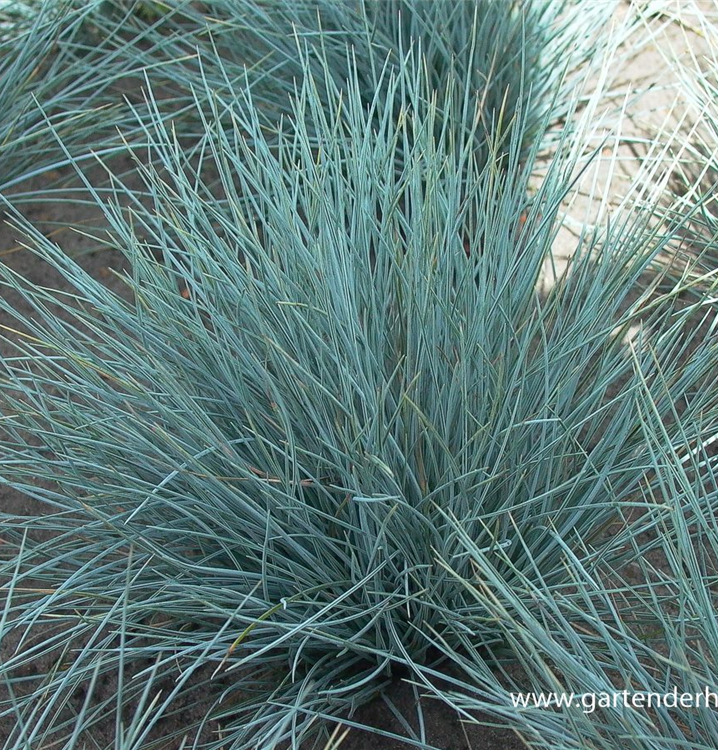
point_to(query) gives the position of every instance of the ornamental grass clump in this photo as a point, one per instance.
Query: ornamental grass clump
(510, 56)
(49, 89)
(77, 70)
(633, 642)
(331, 409)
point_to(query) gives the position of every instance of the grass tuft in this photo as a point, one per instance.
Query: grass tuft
(333, 433)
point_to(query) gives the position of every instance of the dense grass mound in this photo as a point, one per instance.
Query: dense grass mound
(57, 82)
(77, 72)
(336, 426)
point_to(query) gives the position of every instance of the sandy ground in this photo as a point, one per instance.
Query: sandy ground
(444, 730)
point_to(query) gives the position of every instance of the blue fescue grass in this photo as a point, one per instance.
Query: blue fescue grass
(81, 67)
(336, 430)
(650, 629)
